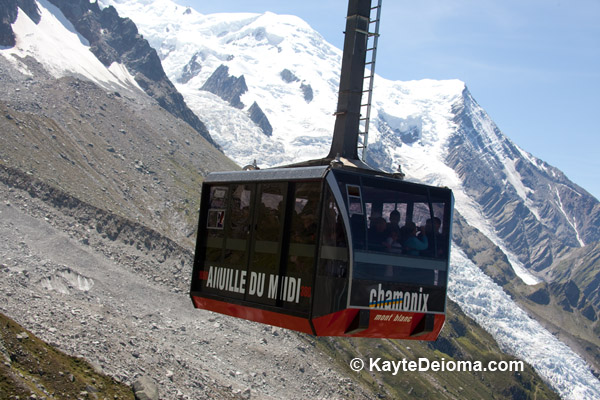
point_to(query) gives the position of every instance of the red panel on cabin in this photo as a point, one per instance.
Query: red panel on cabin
(254, 314)
(382, 324)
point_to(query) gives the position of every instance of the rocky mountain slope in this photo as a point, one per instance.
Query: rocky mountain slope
(110, 144)
(100, 191)
(112, 39)
(32, 369)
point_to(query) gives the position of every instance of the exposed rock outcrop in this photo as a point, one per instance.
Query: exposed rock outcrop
(258, 116)
(227, 87)
(116, 39)
(191, 69)
(145, 389)
(307, 92)
(288, 76)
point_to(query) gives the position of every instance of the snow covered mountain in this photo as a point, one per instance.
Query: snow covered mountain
(434, 129)
(244, 73)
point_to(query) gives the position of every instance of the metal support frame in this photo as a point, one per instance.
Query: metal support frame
(349, 114)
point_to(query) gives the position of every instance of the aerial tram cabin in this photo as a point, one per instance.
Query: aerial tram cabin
(319, 249)
(329, 247)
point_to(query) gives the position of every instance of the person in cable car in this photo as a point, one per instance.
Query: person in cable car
(394, 224)
(412, 243)
(432, 233)
(393, 243)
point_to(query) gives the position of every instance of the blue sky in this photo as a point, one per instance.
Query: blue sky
(533, 65)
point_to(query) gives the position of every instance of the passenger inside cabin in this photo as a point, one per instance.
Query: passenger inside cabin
(304, 228)
(411, 243)
(392, 243)
(394, 224)
(434, 238)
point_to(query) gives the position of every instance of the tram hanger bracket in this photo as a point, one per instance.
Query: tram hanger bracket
(337, 162)
(399, 174)
(251, 167)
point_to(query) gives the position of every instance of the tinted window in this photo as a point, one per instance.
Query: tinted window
(217, 208)
(299, 271)
(223, 268)
(215, 224)
(399, 249)
(260, 242)
(350, 187)
(332, 274)
(400, 220)
(266, 243)
(240, 211)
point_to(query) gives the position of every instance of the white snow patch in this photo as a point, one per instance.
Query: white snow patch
(572, 223)
(123, 76)
(55, 43)
(514, 178)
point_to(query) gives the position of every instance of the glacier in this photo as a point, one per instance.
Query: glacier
(517, 333)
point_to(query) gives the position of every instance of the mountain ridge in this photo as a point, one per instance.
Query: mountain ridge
(120, 161)
(115, 39)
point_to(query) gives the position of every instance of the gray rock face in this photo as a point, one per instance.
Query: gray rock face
(145, 389)
(576, 281)
(534, 208)
(540, 296)
(227, 87)
(288, 76)
(258, 116)
(191, 69)
(307, 92)
(116, 39)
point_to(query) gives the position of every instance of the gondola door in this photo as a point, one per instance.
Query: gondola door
(256, 254)
(244, 237)
(228, 232)
(283, 246)
(266, 241)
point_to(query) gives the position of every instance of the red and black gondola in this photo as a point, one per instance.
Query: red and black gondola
(322, 250)
(329, 247)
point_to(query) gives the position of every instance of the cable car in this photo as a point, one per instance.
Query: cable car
(329, 247)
